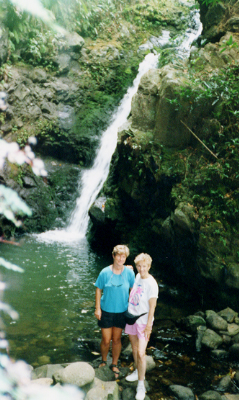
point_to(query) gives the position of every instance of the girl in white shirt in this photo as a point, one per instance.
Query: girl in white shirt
(143, 298)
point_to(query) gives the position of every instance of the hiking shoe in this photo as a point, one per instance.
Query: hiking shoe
(132, 377)
(140, 393)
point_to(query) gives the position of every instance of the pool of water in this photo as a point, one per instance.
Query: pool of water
(54, 298)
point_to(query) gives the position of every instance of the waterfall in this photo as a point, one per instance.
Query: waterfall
(93, 179)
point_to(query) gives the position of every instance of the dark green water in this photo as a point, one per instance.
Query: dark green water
(54, 298)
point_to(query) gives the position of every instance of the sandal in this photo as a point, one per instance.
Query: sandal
(117, 373)
(102, 364)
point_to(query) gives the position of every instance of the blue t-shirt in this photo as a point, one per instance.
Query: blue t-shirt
(115, 289)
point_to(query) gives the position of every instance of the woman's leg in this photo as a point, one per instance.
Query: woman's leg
(105, 342)
(116, 344)
(141, 359)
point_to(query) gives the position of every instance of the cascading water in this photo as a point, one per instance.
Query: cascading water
(93, 179)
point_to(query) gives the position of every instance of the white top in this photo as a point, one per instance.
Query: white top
(142, 291)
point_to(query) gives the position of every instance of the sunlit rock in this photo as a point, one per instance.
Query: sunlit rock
(211, 339)
(181, 392)
(79, 373)
(215, 321)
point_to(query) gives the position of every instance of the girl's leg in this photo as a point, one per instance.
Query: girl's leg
(105, 342)
(141, 359)
(134, 344)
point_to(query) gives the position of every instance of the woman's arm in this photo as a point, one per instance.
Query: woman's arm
(152, 305)
(97, 303)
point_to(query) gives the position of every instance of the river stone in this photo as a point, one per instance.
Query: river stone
(233, 329)
(79, 374)
(224, 383)
(44, 381)
(210, 395)
(192, 322)
(103, 391)
(47, 371)
(215, 321)
(104, 374)
(181, 392)
(150, 363)
(211, 339)
(228, 396)
(228, 314)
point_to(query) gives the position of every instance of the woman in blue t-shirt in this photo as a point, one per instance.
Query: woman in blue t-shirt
(111, 301)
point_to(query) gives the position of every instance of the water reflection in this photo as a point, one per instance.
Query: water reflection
(54, 298)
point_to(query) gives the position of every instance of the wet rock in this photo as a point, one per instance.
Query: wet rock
(63, 62)
(74, 41)
(210, 395)
(47, 371)
(143, 106)
(214, 321)
(150, 363)
(224, 383)
(38, 75)
(200, 332)
(128, 393)
(103, 390)
(97, 210)
(104, 374)
(233, 329)
(211, 339)
(192, 322)
(181, 392)
(228, 314)
(160, 355)
(80, 374)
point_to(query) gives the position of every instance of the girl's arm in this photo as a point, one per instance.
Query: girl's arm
(152, 305)
(97, 303)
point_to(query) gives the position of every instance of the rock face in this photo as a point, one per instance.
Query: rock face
(153, 107)
(160, 205)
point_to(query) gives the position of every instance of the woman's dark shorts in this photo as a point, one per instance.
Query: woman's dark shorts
(110, 320)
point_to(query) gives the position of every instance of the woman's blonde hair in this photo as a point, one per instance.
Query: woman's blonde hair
(120, 249)
(143, 257)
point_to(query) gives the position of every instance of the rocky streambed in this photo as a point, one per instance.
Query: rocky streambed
(193, 357)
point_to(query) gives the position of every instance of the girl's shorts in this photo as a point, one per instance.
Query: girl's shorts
(136, 329)
(110, 320)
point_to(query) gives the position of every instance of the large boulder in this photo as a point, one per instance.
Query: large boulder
(79, 373)
(157, 107)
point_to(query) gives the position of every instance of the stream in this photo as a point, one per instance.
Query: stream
(55, 295)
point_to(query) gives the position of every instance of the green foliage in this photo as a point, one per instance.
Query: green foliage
(229, 44)
(209, 2)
